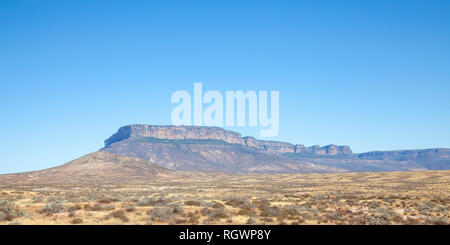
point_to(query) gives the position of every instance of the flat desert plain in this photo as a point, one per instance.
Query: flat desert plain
(405, 198)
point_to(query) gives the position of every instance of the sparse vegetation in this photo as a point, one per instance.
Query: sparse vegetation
(164, 214)
(357, 199)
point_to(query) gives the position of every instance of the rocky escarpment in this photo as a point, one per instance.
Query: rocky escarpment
(175, 132)
(269, 146)
(408, 155)
(330, 150)
(218, 150)
(214, 133)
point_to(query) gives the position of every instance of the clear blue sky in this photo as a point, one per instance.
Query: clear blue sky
(374, 75)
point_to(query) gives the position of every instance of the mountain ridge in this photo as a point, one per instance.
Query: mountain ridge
(216, 133)
(218, 150)
(147, 153)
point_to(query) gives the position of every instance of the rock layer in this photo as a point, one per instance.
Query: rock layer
(175, 132)
(215, 133)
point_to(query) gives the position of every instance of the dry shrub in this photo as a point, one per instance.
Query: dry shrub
(77, 221)
(181, 221)
(164, 214)
(357, 220)
(411, 221)
(247, 212)
(108, 200)
(437, 221)
(214, 214)
(251, 221)
(74, 208)
(192, 203)
(120, 214)
(270, 211)
(5, 215)
(53, 208)
(37, 199)
(236, 201)
(267, 219)
(98, 207)
(333, 216)
(218, 205)
(9, 210)
(192, 218)
(261, 203)
(149, 201)
(131, 208)
(398, 219)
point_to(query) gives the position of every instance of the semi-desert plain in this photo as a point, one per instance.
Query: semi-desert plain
(290, 199)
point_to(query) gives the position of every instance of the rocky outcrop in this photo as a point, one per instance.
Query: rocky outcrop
(269, 146)
(330, 150)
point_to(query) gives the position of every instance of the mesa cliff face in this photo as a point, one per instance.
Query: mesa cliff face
(215, 133)
(218, 150)
(409, 155)
(174, 132)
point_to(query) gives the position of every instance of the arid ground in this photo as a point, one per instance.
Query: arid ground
(345, 198)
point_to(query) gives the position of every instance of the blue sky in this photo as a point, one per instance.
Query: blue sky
(370, 74)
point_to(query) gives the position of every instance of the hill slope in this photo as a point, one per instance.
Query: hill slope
(99, 166)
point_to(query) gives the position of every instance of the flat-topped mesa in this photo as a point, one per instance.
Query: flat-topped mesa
(408, 155)
(175, 132)
(215, 133)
